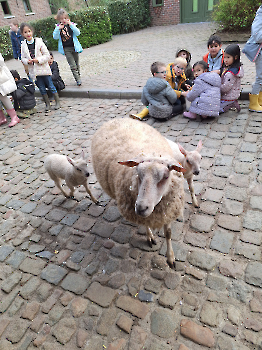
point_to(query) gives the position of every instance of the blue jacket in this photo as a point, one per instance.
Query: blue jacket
(76, 32)
(16, 39)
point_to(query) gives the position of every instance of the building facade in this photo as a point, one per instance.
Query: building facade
(23, 10)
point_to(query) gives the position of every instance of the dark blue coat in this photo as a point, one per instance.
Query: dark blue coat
(16, 39)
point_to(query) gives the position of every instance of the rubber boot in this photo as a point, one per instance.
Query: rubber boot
(57, 102)
(260, 98)
(14, 117)
(2, 118)
(254, 106)
(47, 103)
(140, 115)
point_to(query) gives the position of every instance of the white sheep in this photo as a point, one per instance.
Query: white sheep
(74, 172)
(133, 163)
(190, 162)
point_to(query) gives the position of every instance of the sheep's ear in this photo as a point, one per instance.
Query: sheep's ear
(182, 150)
(83, 154)
(70, 160)
(176, 167)
(199, 146)
(129, 163)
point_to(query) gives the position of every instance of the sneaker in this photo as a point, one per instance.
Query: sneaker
(21, 114)
(190, 115)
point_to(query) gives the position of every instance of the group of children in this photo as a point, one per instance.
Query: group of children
(212, 85)
(39, 66)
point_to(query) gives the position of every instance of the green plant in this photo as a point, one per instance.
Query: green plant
(235, 15)
(57, 4)
(128, 16)
(5, 43)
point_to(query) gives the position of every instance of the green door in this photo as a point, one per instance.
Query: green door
(196, 10)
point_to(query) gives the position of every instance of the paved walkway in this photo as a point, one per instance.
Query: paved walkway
(124, 62)
(77, 275)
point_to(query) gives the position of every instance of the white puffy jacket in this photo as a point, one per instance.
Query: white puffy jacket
(7, 82)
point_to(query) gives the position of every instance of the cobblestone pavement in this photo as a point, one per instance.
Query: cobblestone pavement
(77, 275)
(124, 62)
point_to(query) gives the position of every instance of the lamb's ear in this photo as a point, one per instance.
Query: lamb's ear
(83, 154)
(176, 167)
(70, 160)
(182, 150)
(199, 146)
(129, 163)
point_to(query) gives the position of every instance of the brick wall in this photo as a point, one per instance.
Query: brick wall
(40, 9)
(165, 15)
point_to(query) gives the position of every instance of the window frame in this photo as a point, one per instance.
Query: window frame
(6, 14)
(154, 3)
(27, 4)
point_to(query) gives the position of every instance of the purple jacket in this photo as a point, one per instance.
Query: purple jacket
(231, 85)
(205, 95)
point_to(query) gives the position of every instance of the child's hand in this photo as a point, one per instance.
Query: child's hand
(67, 21)
(188, 86)
(30, 62)
(35, 60)
(61, 26)
(184, 93)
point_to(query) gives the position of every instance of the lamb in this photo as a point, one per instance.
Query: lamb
(133, 163)
(74, 172)
(190, 162)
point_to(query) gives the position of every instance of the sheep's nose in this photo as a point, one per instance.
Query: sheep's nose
(87, 174)
(196, 172)
(141, 210)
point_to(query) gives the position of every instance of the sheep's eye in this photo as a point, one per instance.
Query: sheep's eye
(188, 161)
(78, 169)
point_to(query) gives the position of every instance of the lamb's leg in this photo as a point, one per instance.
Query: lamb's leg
(150, 237)
(58, 184)
(169, 252)
(90, 194)
(192, 191)
(72, 190)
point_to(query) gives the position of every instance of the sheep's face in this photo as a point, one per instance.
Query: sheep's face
(192, 159)
(80, 165)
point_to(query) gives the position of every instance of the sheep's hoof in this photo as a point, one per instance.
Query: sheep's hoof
(149, 243)
(171, 265)
(153, 241)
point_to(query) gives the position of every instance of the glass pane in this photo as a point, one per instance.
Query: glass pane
(195, 5)
(210, 5)
(159, 2)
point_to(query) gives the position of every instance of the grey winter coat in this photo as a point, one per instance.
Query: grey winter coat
(252, 49)
(205, 95)
(158, 95)
(231, 85)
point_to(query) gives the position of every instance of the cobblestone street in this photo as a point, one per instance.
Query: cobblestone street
(77, 275)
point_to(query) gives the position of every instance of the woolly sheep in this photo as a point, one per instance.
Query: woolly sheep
(133, 163)
(74, 172)
(190, 161)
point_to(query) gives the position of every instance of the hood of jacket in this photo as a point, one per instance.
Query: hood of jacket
(237, 72)
(26, 83)
(155, 85)
(188, 54)
(210, 78)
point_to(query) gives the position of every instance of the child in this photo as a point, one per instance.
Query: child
(23, 96)
(66, 33)
(205, 94)
(158, 95)
(232, 72)
(189, 70)
(57, 80)
(177, 79)
(7, 86)
(215, 56)
(35, 54)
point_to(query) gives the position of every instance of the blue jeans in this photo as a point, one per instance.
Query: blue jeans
(43, 81)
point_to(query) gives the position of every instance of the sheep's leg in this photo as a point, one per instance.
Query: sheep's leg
(150, 237)
(58, 184)
(90, 194)
(72, 190)
(192, 191)
(169, 252)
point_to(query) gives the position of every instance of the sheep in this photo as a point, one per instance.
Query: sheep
(190, 162)
(133, 163)
(74, 172)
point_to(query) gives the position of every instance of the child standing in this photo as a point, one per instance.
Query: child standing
(215, 56)
(205, 94)
(184, 53)
(232, 72)
(36, 55)
(66, 33)
(23, 96)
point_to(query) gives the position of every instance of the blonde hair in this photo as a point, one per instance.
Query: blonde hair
(180, 60)
(61, 12)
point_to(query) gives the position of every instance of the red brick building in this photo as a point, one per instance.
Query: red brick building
(23, 10)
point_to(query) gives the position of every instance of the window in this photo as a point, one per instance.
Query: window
(158, 3)
(6, 8)
(195, 6)
(210, 5)
(27, 6)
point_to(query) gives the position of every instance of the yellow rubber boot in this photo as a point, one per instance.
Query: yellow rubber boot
(260, 98)
(140, 115)
(254, 106)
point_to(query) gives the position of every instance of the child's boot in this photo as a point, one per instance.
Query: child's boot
(2, 118)
(254, 106)
(260, 98)
(140, 115)
(14, 117)
(57, 102)
(47, 103)
(190, 115)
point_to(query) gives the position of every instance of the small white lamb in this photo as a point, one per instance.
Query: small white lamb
(74, 172)
(133, 163)
(190, 162)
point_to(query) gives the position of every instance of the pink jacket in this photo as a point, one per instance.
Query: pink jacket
(231, 85)
(41, 53)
